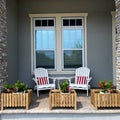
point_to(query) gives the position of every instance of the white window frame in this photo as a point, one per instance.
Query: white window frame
(45, 28)
(73, 27)
(58, 42)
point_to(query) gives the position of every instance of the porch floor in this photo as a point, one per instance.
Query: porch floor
(41, 105)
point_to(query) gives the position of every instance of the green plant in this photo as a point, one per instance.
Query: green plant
(106, 86)
(8, 87)
(17, 87)
(64, 86)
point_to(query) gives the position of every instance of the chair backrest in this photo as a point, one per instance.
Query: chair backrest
(41, 76)
(81, 75)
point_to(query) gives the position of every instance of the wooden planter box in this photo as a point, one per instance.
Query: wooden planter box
(105, 99)
(16, 99)
(58, 99)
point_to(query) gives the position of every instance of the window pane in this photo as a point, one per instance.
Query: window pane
(37, 23)
(45, 39)
(51, 41)
(72, 58)
(45, 59)
(79, 22)
(45, 45)
(66, 22)
(50, 23)
(72, 39)
(72, 22)
(44, 22)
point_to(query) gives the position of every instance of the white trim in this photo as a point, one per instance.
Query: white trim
(58, 41)
(45, 28)
(85, 40)
(58, 15)
(32, 48)
(69, 27)
(58, 44)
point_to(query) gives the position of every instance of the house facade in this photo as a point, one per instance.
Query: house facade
(60, 36)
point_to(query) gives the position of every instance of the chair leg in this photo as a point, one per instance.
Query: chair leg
(87, 92)
(37, 93)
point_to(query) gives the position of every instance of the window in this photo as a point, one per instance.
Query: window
(45, 43)
(72, 38)
(58, 42)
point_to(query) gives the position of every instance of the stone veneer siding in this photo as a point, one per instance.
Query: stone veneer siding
(117, 58)
(3, 42)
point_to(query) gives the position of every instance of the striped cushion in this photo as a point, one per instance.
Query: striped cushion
(42, 80)
(81, 80)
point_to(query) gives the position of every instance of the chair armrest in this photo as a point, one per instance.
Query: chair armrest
(70, 78)
(88, 80)
(35, 81)
(53, 79)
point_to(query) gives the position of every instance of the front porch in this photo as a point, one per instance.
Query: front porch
(19, 49)
(41, 105)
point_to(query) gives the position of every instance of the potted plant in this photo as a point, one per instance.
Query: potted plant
(20, 87)
(16, 95)
(64, 86)
(17, 87)
(107, 96)
(107, 87)
(8, 88)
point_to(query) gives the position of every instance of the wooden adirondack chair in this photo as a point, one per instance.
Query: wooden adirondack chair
(42, 80)
(82, 79)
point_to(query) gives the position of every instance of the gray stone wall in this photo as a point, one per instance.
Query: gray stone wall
(117, 58)
(3, 42)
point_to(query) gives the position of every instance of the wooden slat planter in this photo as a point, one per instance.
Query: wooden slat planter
(16, 99)
(58, 99)
(106, 99)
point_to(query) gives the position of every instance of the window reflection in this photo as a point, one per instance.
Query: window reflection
(72, 58)
(45, 59)
(72, 38)
(45, 39)
(44, 45)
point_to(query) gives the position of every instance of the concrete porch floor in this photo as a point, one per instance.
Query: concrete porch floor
(41, 105)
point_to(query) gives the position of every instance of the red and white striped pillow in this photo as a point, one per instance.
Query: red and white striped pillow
(42, 80)
(81, 80)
